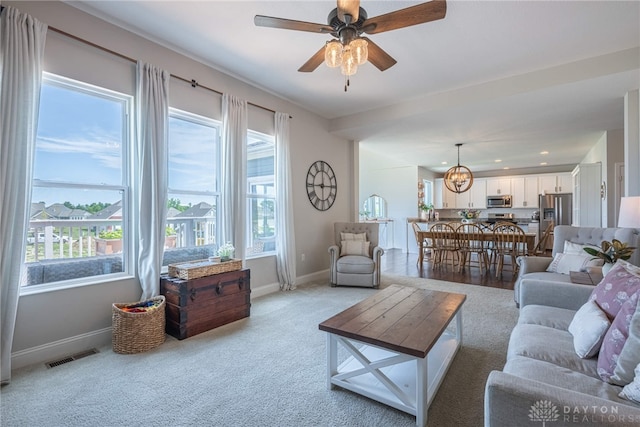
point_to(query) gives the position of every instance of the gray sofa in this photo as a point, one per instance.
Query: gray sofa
(543, 370)
(533, 268)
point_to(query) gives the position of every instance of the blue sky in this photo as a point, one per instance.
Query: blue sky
(80, 139)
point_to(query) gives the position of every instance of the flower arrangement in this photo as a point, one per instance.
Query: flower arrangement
(225, 251)
(611, 251)
(469, 213)
(425, 207)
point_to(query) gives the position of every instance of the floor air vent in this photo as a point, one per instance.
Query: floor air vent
(71, 358)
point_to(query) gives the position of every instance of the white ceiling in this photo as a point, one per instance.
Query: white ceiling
(508, 79)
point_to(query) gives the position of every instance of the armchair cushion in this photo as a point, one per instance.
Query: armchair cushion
(354, 247)
(354, 264)
(353, 236)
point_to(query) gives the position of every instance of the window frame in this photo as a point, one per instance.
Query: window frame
(128, 251)
(251, 134)
(179, 114)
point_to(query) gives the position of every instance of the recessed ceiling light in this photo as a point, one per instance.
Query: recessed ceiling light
(543, 164)
(444, 163)
(497, 160)
(544, 152)
(506, 167)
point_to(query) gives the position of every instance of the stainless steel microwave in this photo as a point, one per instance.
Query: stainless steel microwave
(498, 201)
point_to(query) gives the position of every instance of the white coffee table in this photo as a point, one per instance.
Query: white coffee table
(399, 345)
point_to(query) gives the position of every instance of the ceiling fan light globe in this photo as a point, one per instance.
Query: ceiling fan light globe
(333, 54)
(359, 50)
(349, 65)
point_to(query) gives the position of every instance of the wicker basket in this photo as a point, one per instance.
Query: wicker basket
(204, 267)
(137, 332)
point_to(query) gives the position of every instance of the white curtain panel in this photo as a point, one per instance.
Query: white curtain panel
(153, 133)
(22, 40)
(285, 237)
(234, 178)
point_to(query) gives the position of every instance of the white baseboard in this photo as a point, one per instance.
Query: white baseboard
(318, 276)
(264, 290)
(59, 349)
(66, 347)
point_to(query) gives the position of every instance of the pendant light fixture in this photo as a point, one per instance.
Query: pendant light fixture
(458, 178)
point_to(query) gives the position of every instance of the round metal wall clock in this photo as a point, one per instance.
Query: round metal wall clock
(321, 185)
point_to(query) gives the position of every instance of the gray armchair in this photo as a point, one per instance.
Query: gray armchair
(356, 270)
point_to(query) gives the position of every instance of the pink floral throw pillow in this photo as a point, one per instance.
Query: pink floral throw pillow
(615, 338)
(620, 283)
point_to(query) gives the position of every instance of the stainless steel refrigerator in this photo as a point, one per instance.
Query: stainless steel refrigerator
(555, 209)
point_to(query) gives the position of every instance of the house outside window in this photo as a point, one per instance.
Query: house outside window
(193, 193)
(79, 216)
(261, 194)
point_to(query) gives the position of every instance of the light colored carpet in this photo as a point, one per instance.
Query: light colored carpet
(266, 370)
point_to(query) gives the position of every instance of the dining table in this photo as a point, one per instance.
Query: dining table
(530, 240)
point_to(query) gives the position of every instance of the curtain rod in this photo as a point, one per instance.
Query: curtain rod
(192, 82)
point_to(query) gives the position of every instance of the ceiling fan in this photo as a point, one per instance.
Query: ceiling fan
(346, 23)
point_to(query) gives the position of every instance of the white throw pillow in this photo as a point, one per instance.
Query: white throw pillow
(588, 327)
(353, 236)
(565, 263)
(576, 248)
(354, 247)
(632, 390)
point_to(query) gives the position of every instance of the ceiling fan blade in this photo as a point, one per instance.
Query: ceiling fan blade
(289, 24)
(348, 7)
(313, 62)
(378, 57)
(414, 15)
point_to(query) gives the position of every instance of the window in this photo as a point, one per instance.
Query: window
(428, 192)
(79, 218)
(261, 194)
(192, 211)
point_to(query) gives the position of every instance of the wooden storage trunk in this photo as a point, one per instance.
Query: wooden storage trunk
(198, 305)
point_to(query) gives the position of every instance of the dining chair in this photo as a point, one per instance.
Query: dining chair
(426, 244)
(541, 247)
(444, 244)
(471, 240)
(509, 240)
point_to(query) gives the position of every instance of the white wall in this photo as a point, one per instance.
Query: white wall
(396, 183)
(58, 323)
(608, 151)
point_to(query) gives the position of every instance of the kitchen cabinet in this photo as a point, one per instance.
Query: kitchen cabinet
(475, 198)
(587, 202)
(498, 186)
(443, 198)
(555, 183)
(525, 191)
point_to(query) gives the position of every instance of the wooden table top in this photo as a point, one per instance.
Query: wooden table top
(487, 235)
(400, 318)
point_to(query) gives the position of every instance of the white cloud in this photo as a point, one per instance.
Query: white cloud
(104, 148)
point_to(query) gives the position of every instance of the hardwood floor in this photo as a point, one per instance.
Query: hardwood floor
(395, 261)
